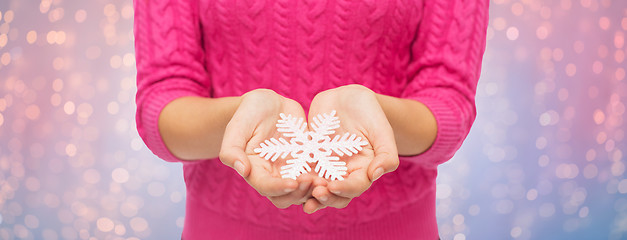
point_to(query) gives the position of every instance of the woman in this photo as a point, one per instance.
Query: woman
(213, 77)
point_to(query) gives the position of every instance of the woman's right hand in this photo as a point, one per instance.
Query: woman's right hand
(255, 121)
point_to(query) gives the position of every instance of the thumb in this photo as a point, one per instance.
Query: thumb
(232, 151)
(384, 162)
(236, 158)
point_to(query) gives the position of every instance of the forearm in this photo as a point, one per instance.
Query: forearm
(414, 125)
(192, 127)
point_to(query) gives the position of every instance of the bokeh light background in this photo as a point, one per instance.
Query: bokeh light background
(544, 160)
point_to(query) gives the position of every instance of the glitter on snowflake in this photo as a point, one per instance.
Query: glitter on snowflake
(311, 146)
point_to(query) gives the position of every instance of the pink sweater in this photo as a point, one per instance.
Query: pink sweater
(426, 50)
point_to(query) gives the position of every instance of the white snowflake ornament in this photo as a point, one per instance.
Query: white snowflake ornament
(311, 146)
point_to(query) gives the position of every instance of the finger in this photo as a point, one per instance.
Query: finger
(385, 154)
(296, 197)
(237, 159)
(312, 205)
(383, 162)
(233, 146)
(327, 198)
(268, 185)
(353, 186)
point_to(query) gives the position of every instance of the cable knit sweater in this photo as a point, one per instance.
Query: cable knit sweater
(426, 50)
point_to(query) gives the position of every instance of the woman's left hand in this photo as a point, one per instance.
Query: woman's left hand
(359, 113)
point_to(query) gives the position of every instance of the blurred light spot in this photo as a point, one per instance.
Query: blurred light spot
(601, 137)
(459, 236)
(120, 230)
(51, 37)
(44, 6)
(499, 23)
(619, 40)
(113, 108)
(532, 194)
(60, 38)
(550, 117)
(597, 67)
(31, 37)
(622, 186)
(58, 63)
(80, 16)
(512, 33)
(32, 184)
(617, 169)
(136, 144)
(57, 85)
(3, 40)
(517, 9)
(56, 15)
(545, 12)
(109, 10)
(5, 59)
(619, 56)
(578, 46)
(620, 74)
(116, 61)
(541, 143)
(542, 32)
(590, 171)
(571, 69)
(474, 210)
(32, 112)
(20, 231)
(31, 221)
(443, 191)
(599, 116)
(176, 197)
(69, 108)
(120, 175)
(516, 232)
(129, 59)
(139, 224)
(104, 224)
(55, 99)
(84, 110)
(583, 212)
(558, 54)
(8, 16)
(567, 171)
(604, 23)
(127, 11)
(91, 176)
(543, 161)
(70, 150)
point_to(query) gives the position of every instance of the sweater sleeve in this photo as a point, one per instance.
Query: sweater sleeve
(169, 61)
(444, 70)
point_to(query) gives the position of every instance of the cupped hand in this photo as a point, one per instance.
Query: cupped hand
(255, 121)
(359, 113)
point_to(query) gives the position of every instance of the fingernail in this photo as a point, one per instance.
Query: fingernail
(289, 190)
(324, 198)
(377, 173)
(239, 167)
(335, 192)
